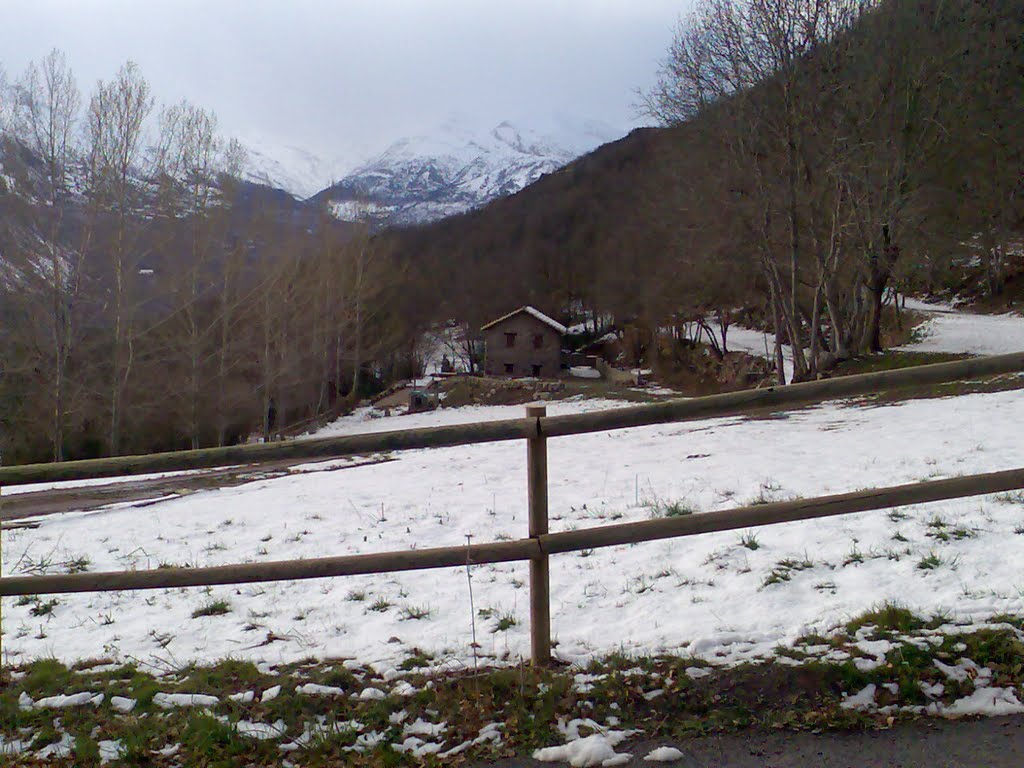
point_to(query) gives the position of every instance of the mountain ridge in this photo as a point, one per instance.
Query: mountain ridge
(457, 167)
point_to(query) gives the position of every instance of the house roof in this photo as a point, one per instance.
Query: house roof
(530, 311)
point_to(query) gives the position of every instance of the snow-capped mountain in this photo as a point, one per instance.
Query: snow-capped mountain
(459, 167)
(295, 170)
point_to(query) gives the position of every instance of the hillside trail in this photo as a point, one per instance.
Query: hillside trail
(946, 329)
(996, 742)
(950, 330)
(20, 507)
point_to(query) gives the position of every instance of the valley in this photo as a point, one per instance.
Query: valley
(506, 433)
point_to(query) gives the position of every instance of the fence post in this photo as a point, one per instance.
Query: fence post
(540, 601)
(1, 568)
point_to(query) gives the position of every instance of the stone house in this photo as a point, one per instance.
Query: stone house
(523, 343)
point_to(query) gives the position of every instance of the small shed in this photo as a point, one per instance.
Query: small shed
(525, 342)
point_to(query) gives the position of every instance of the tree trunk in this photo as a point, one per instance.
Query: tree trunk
(815, 332)
(872, 339)
(879, 272)
(780, 358)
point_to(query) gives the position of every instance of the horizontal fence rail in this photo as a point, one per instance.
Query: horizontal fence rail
(281, 570)
(320, 448)
(784, 511)
(536, 428)
(730, 404)
(776, 398)
(522, 549)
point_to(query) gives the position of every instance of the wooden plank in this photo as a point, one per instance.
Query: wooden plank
(540, 581)
(281, 570)
(783, 512)
(523, 549)
(779, 398)
(553, 426)
(322, 448)
(1, 572)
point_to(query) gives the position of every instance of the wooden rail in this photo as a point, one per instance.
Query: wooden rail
(532, 549)
(535, 428)
(730, 404)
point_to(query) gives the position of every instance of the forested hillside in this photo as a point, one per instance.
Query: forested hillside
(149, 299)
(820, 154)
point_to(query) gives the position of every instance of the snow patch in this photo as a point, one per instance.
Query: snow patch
(261, 731)
(270, 694)
(584, 751)
(663, 755)
(315, 689)
(986, 701)
(173, 700)
(62, 701)
(862, 701)
(122, 704)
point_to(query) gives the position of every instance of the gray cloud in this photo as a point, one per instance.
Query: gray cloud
(331, 75)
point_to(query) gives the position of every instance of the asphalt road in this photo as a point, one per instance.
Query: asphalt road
(986, 743)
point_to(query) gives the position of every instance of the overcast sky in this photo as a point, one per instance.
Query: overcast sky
(332, 75)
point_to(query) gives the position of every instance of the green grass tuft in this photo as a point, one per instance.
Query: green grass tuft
(212, 608)
(505, 622)
(930, 562)
(749, 540)
(889, 617)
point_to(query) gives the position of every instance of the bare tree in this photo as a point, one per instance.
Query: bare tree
(830, 120)
(366, 275)
(232, 253)
(117, 112)
(45, 116)
(890, 110)
(188, 156)
(991, 200)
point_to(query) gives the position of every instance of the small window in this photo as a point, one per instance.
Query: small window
(509, 368)
(538, 340)
(536, 370)
(510, 339)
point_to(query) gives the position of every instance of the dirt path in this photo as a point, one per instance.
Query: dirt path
(950, 330)
(987, 743)
(26, 506)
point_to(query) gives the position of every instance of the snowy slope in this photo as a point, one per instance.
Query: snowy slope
(709, 595)
(295, 170)
(458, 167)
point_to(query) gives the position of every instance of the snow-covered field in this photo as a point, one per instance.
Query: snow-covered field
(713, 596)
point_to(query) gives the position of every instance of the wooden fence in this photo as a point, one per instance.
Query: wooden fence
(536, 428)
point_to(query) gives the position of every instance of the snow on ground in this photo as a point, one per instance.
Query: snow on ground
(759, 344)
(102, 481)
(369, 419)
(710, 596)
(948, 330)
